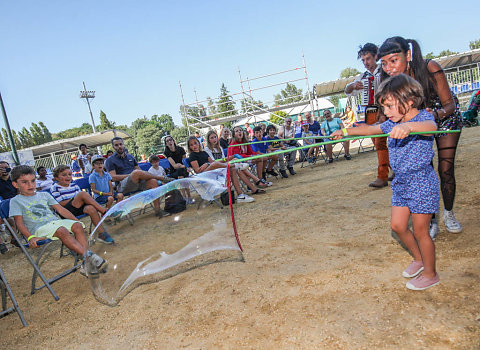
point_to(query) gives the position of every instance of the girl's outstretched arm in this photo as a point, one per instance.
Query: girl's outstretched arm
(403, 130)
(358, 130)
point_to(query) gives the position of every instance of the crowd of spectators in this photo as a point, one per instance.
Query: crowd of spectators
(117, 174)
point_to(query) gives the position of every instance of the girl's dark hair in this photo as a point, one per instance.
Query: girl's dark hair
(59, 169)
(401, 88)
(271, 126)
(188, 143)
(165, 141)
(21, 170)
(417, 65)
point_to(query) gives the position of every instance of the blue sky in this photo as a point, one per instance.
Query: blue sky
(133, 54)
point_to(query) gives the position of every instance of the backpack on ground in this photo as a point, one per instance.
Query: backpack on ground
(174, 202)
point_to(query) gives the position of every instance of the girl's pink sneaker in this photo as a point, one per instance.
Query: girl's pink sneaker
(413, 269)
(421, 282)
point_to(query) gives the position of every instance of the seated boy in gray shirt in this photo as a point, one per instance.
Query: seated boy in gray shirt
(35, 220)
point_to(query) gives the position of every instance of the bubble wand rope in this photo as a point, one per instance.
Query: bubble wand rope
(335, 141)
(231, 206)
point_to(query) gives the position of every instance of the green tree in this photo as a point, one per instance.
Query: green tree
(278, 117)
(105, 124)
(3, 143)
(37, 134)
(288, 95)
(250, 105)
(225, 103)
(26, 140)
(164, 122)
(84, 129)
(47, 135)
(475, 44)
(212, 108)
(349, 72)
(446, 53)
(146, 138)
(180, 134)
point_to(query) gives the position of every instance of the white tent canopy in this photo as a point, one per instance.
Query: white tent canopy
(65, 145)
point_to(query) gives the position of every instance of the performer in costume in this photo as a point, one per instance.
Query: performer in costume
(399, 55)
(368, 55)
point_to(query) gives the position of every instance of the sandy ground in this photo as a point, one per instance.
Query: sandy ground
(320, 270)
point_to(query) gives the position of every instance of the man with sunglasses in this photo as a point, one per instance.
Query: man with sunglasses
(6, 187)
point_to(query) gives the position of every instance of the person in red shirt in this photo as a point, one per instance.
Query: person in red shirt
(249, 130)
(245, 151)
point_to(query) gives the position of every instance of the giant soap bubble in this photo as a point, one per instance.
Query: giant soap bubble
(149, 249)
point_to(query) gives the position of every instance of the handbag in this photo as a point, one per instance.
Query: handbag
(225, 198)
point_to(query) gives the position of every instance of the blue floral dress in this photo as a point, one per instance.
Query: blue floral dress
(416, 184)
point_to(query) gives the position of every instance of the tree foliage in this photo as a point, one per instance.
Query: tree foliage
(442, 53)
(349, 72)
(278, 117)
(250, 105)
(474, 44)
(225, 103)
(288, 95)
(105, 124)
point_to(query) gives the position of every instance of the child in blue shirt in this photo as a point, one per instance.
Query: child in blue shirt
(101, 184)
(76, 201)
(415, 187)
(262, 148)
(309, 141)
(36, 221)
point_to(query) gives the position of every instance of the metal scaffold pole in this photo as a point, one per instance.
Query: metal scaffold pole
(9, 133)
(185, 115)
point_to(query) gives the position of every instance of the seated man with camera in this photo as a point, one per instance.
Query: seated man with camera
(6, 188)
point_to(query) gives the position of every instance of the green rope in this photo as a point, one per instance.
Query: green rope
(332, 142)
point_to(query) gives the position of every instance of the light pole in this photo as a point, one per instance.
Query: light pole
(9, 132)
(86, 95)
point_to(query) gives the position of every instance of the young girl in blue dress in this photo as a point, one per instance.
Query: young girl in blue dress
(415, 187)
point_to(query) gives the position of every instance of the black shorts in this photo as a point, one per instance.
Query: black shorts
(75, 211)
(178, 172)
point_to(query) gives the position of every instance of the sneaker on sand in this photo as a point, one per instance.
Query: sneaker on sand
(421, 282)
(433, 230)
(268, 183)
(244, 198)
(272, 172)
(190, 200)
(452, 225)
(96, 264)
(284, 174)
(105, 238)
(413, 269)
(241, 166)
(161, 213)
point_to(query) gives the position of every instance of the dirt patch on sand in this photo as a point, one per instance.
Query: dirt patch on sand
(321, 271)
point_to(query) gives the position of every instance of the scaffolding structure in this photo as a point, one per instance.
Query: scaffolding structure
(198, 117)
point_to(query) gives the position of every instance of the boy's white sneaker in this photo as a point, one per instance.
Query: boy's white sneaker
(451, 224)
(244, 198)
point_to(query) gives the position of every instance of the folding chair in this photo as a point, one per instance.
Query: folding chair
(4, 213)
(4, 289)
